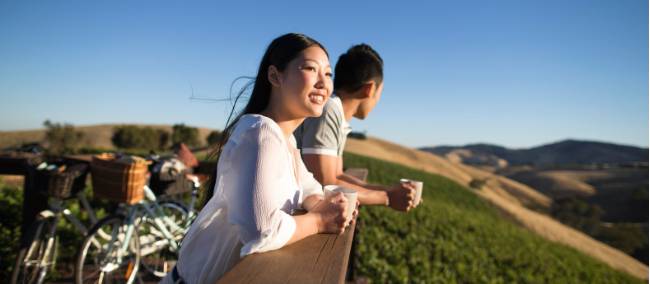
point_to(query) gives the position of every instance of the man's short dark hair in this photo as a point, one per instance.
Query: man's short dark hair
(356, 67)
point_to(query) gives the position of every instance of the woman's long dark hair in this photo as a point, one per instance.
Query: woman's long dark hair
(279, 53)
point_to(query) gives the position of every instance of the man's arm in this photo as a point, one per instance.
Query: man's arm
(329, 170)
(353, 180)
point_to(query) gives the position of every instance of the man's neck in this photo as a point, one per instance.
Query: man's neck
(350, 105)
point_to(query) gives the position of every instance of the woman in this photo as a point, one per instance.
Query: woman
(260, 178)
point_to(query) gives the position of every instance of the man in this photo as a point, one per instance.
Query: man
(358, 84)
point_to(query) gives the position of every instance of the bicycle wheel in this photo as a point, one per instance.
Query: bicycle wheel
(157, 256)
(38, 256)
(102, 260)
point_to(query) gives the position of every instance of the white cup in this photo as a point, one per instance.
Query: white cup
(350, 195)
(418, 189)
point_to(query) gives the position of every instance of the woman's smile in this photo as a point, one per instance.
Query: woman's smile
(318, 98)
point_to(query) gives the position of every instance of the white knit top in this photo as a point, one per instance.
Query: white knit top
(260, 181)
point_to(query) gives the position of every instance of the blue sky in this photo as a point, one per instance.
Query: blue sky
(514, 73)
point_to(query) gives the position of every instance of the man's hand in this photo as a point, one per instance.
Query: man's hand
(400, 196)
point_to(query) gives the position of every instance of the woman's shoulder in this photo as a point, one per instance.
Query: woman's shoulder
(257, 125)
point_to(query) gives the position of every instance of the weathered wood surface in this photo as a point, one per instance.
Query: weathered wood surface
(321, 258)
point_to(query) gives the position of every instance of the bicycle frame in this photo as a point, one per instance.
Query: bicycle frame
(161, 222)
(55, 211)
(55, 207)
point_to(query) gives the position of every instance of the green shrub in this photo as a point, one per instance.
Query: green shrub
(477, 183)
(61, 138)
(214, 137)
(131, 137)
(185, 134)
(11, 200)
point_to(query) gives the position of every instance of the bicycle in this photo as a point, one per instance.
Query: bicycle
(40, 245)
(148, 228)
(171, 183)
(194, 195)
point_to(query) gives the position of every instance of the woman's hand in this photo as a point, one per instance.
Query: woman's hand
(332, 214)
(355, 213)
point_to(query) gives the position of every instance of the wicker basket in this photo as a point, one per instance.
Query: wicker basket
(117, 180)
(165, 184)
(64, 184)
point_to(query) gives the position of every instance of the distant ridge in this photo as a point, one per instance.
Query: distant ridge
(565, 152)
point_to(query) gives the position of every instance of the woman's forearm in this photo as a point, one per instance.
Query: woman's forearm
(306, 225)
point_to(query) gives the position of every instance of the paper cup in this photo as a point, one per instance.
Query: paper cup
(418, 189)
(350, 195)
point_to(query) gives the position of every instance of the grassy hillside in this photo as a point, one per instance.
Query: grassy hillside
(509, 197)
(456, 237)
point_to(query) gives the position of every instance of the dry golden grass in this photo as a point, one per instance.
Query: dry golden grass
(558, 183)
(509, 196)
(12, 180)
(13, 138)
(512, 190)
(388, 151)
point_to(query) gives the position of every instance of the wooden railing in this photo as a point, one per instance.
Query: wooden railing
(321, 258)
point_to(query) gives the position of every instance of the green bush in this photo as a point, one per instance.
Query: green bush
(185, 134)
(578, 213)
(11, 200)
(61, 138)
(455, 237)
(477, 183)
(214, 137)
(134, 137)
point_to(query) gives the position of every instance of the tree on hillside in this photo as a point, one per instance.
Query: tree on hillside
(477, 183)
(61, 138)
(163, 139)
(134, 137)
(214, 137)
(185, 134)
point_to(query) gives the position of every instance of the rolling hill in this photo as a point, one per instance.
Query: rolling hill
(615, 190)
(567, 152)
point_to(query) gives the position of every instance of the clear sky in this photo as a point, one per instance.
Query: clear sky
(514, 73)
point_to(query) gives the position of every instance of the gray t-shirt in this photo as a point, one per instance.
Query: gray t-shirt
(324, 135)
